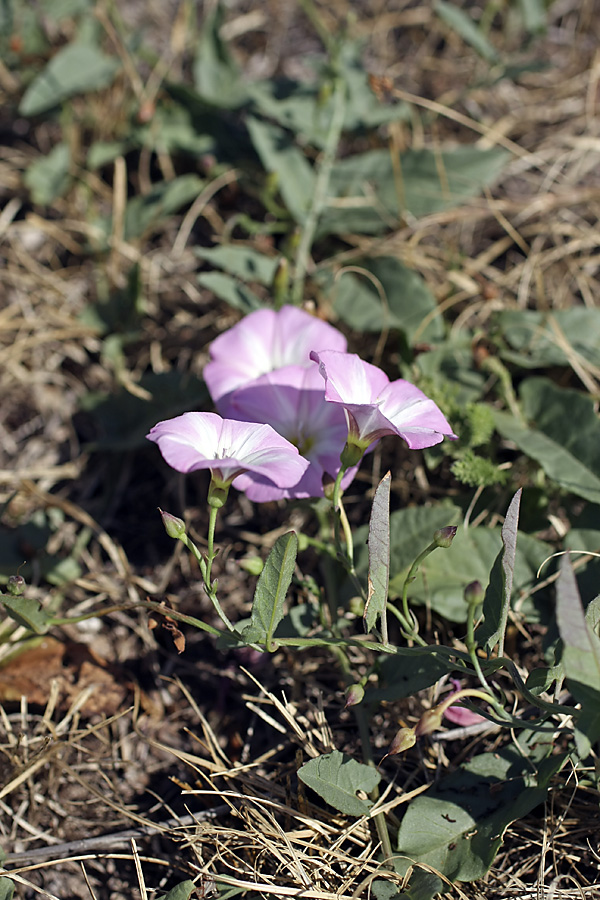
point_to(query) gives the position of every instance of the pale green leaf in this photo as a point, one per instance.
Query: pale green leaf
(337, 778)
(280, 156)
(242, 261)
(458, 825)
(497, 599)
(76, 69)
(271, 590)
(379, 554)
(406, 303)
(48, 177)
(462, 23)
(231, 290)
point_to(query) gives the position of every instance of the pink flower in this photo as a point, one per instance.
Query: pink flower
(460, 715)
(201, 440)
(292, 401)
(375, 406)
(262, 342)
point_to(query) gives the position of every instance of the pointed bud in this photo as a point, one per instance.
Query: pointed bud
(403, 740)
(443, 537)
(15, 585)
(354, 695)
(474, 594)
(174, 527)
(430, 721)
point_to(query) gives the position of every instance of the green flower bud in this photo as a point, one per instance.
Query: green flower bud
(403, 740)
(15, 585)
(474, 594)
(430, 721)
(354, 695)
(443, 537)
(174, 527)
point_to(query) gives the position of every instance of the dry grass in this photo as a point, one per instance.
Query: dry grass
(91, 801)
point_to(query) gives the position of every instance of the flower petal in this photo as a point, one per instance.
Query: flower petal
(198, 440)
(264, 341)
(376, 406)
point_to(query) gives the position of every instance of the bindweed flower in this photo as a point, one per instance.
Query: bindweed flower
(200, 440)
(262, 342)
(375, 406)
(460, 715)
(292, 401)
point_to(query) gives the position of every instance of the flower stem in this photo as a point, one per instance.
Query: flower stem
(206, 565)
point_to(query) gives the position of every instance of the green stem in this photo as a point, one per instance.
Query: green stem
(320, 193)
(365, 740)
(407, 630)
(471, 645)
(205, 567)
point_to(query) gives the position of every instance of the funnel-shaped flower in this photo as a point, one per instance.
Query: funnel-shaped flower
(200, 440)
(375, 406)
(292, 401)
(262, 342)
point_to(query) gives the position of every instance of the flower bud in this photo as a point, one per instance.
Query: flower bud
(354, 695)
(430, 721)
(403, 740)
(474, 594)
(174, 527)
(443, 537)
(15, 585)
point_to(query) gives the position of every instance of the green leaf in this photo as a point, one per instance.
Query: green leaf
(497, 599)
(367, 198)
(280, 156)
(462, 23)
(458, 825)
(541, 339)
(217, 77)
(7, 888)
(182, 891)
(65, 9)
(407, 299)
(241, 261)
(535, 16)
(271, 590)
(444, 575)
(76, 69)
(580, 656)
(451, 368)
(423, 885)
(408, 671)
(337, 778)
(27, 612)
(231, 290)
(164, 199)
(569, 455)
(379, 555)
(48, 177)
